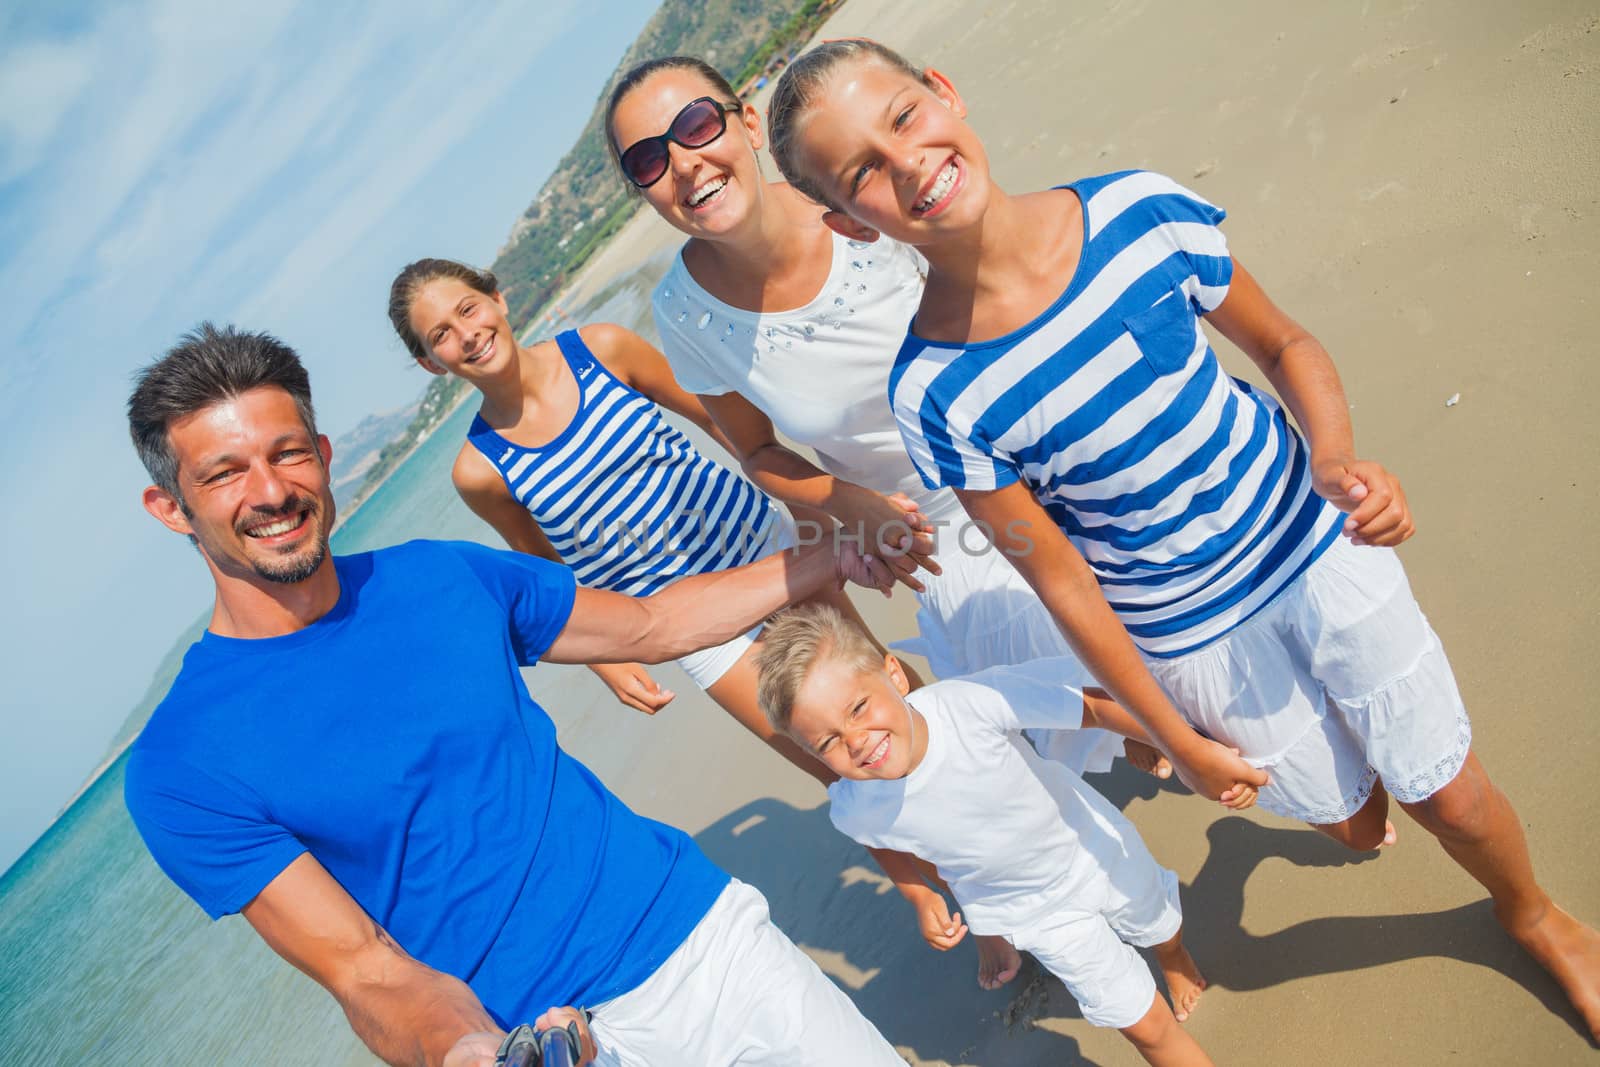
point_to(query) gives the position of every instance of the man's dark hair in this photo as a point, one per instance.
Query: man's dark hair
(207, 366)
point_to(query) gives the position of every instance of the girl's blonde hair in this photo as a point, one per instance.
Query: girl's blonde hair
(792, 644)
(797, 91)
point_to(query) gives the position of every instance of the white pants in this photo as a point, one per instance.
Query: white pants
(1111, 895)
(1337, 683)
(737, 991)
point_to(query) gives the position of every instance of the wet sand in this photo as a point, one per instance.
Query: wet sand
(1418, 184)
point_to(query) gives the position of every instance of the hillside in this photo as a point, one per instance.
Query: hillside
(585, 201)
(358, 450)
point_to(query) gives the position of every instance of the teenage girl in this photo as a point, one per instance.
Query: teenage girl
(1195, 547)
(569, 458)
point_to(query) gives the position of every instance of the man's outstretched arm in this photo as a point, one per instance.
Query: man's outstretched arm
(409, 1014)
(706, 609)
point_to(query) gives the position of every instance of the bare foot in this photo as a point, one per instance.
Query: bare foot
(1147, 758)
(1570, 951)
(998, 961)
(1390, 834)
(1185, 983)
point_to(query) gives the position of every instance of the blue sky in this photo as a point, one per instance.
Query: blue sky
(268, 164)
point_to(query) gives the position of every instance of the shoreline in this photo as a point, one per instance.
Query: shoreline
(1421, 188)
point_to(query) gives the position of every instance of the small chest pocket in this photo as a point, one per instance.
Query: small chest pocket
(1165, 332)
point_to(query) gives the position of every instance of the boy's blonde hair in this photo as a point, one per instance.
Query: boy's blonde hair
(797, 90)
(793, 643)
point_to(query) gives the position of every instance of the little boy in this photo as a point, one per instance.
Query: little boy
(1028, 849)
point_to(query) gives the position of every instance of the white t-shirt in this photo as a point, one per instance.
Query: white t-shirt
(821, 371)
(1013, 834)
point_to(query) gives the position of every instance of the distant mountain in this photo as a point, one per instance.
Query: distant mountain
(355, 452)
(166, 671)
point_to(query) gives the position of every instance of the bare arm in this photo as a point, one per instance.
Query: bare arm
(777, 469)
(704, 609)
(1046, 559)
(406, 1012)
(1101, 712)
(782, 473)
(1303, 375)
(483, 490)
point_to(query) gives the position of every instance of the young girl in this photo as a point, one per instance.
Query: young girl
(1056, 376)
(569, 458)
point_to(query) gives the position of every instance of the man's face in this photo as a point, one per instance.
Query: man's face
(253, 487)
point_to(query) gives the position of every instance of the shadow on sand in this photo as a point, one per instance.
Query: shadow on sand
(826, 893)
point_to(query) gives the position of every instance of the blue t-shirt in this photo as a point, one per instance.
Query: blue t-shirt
(395, 741)
(1187, 492)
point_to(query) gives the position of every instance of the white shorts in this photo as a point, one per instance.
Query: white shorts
(709, 664)
(1129, 899)
(1336, 683)
(981, 613)
(737, 991)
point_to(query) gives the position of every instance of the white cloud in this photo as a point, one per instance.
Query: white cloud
(445, 98)
(266, 166)
(39, 83)
(153, 71)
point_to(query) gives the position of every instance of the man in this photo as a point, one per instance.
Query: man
(349, 759)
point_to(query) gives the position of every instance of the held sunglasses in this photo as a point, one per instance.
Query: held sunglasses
(696, 125)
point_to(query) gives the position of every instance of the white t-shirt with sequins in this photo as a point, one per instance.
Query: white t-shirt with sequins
(821, 371)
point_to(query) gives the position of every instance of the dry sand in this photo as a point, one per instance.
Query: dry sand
(1418, 183)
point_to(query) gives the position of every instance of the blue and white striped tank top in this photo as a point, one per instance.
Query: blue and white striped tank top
(1187, 491)
(626, 500)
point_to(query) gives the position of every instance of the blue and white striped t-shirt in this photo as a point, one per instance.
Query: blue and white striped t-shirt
(625, 499)
(1188, 492)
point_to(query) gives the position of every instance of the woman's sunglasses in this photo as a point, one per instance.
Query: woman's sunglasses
(697, 125)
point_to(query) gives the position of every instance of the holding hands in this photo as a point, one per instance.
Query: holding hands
(1215, 770)
(1371, 497)
(893, 530)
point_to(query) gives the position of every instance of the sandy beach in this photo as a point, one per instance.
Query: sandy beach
(1419, 184)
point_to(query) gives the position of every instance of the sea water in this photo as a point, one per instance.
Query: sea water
(104, 961)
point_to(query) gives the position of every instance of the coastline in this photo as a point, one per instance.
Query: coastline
(1423, 190)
